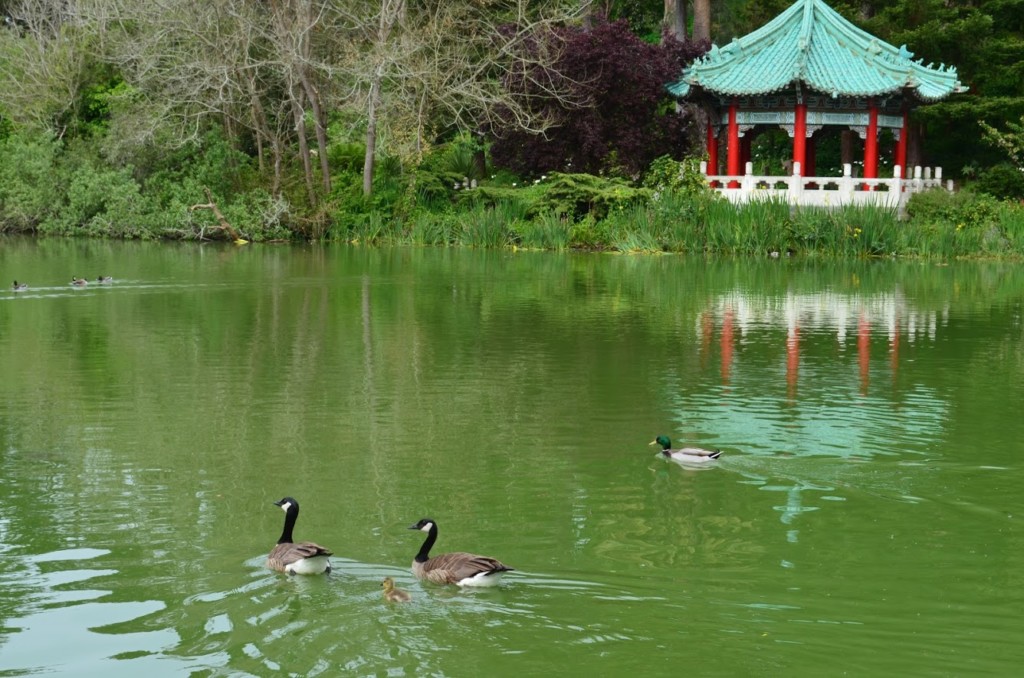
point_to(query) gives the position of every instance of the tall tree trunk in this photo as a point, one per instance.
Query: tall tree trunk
(300, 130)
(259, 119)
(674, 20)
(391, 12)
(312, 93)
(313, 96)
(701, 19)
(371, 134)
(275, 188)
(288, 25)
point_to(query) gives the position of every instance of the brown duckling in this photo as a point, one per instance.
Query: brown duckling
(392, 594)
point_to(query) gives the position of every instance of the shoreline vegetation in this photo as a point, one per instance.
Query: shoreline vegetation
(47, 191)
(528, 125)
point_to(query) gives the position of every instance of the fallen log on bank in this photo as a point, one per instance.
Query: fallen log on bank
(223, 224)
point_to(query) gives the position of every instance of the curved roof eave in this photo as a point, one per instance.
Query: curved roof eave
(813, 44)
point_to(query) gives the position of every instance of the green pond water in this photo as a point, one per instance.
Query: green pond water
(865, 517)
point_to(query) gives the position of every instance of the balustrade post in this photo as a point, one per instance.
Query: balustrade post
(748, 181)
(796, 185)
(846, 184)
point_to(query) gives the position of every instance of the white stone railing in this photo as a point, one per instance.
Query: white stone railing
(827, 191)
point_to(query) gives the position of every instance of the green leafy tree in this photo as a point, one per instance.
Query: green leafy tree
(1011, 141)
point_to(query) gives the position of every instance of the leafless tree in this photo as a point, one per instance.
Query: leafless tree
(445, 63)
(42, 57)
(399, 70)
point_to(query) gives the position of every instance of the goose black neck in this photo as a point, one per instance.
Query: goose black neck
(428, 543)
(290, 516)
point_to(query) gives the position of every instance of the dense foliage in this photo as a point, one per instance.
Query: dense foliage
(616, 117)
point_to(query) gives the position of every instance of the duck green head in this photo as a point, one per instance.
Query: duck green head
(663, 441)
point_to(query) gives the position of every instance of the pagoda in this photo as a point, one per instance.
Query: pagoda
(809, 69)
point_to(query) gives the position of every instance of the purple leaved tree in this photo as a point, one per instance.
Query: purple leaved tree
(619, 116)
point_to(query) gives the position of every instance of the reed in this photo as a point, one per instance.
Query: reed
(426, 228)
(763, 225)
(692, 222)
(548, 231)
(486, 226)
(369, 228)
(1012, 219)
(633, 229)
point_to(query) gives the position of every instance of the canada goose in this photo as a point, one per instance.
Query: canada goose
(304, 557)
(690, 455)
(79, 282)
(464, 569)
(103, 279)
(19, 287)
(393, 595)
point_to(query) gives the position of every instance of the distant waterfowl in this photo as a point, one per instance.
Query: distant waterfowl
(393, 595)
(79, 282)
(463, 569)
(19, 287)
(691, 455)
(104, 279)
(304, 557)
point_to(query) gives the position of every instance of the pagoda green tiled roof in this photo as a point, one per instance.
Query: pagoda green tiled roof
(812, 44)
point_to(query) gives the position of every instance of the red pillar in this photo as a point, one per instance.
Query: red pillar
(733, 162)
(871, 144)
(712, 147)
(800, 139)
(901, 145)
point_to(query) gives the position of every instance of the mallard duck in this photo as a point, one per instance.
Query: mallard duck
(104, 279)
(393, 595)
(79, 282)
(19, 287)
(304, 557)
(463, 569)
(691, 455)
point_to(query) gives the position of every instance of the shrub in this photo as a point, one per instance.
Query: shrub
(666, 174)
(965, 209)
(28, 192)
(1001, 181)
(578, 195)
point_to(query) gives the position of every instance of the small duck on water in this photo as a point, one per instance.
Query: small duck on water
(104, 279)
(690, 455)
(19, 287)
(79, 282)
(392, 594)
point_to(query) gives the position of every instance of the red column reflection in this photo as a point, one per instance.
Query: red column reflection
(727, 324)
(792, 358)
(863, 350)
